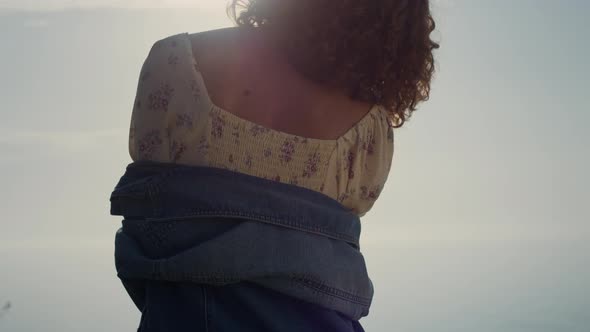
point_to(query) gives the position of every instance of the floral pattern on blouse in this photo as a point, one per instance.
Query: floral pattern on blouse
(173, 59)
(287, 150)
(312, 165)
(175, 121)
(217, 124)
(184, 120)
(160, 99)
(195, 88)
(150, 143)
(177, 149)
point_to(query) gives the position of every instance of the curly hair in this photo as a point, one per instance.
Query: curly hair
(378, 51)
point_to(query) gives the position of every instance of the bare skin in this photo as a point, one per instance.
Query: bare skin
(246, 76)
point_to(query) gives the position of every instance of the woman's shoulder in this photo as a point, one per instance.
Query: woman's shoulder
(169, 57)
(169, 74)
(179, 42)
(216, 38)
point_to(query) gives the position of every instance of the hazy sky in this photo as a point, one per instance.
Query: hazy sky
(484, 222)
(37, 5)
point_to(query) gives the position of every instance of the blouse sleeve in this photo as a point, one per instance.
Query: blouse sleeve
(165, 99)
(361, 164)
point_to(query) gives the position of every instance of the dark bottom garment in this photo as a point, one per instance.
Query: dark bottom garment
(241, 307)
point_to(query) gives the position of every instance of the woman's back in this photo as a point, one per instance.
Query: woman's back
(222, 99)
(247, 76)
(304, 93)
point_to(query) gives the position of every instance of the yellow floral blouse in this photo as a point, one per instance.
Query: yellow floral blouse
(174, 121)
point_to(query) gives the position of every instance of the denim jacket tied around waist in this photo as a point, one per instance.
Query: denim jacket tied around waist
(214, 226)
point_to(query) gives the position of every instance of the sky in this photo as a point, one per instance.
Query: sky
(57, 5)
(483, 224)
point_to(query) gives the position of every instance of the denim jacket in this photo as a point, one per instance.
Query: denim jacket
(214, 226)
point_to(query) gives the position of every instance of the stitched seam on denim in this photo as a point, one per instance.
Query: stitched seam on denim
(153, 192)
(315, 285)
(319, 287)
(196, 276)
(262, 218)
(327, 289)
(222, 279)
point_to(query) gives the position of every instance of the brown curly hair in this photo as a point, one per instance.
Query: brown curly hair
(379, 51)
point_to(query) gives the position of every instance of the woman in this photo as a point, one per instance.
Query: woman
(256, 150)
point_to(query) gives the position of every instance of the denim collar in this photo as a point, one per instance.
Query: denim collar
(163, 191)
